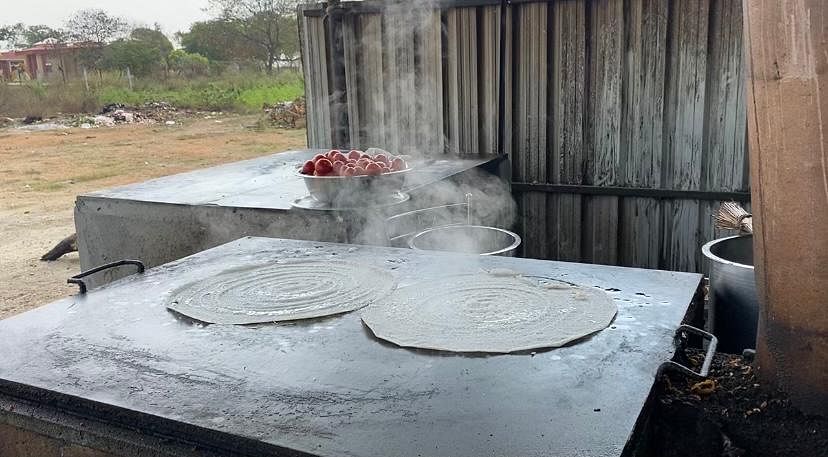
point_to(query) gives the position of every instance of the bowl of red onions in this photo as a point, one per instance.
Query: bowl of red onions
(351, 177)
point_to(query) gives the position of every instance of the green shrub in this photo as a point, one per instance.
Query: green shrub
(243, 92)
(141, 60)
(256, 97)
(186, 64)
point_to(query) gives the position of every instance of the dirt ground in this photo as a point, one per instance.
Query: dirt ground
(42, 172)
(731, 414)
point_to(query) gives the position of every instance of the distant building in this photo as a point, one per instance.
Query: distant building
(46, 59)
(12, 66)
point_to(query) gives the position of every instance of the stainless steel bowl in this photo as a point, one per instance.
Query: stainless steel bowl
(469, 239)
(350, 190)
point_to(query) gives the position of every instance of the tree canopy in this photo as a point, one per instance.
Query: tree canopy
(19, 35)
(262, 32)
(268, 25)
(153, 38)
(37, 33)
(95, 25)
(141, 60)
(218, 40)
(145, 51)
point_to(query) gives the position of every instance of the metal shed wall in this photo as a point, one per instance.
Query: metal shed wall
(625, 120)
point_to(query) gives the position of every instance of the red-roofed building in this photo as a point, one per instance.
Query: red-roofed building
(48, 58)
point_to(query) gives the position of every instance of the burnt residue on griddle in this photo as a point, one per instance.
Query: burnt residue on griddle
(312, 401)
(115, 365)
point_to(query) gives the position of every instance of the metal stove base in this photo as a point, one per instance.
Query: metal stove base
(31, 428)
(327, 387)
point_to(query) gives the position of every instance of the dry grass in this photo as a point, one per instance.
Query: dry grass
(42, 172)
(35, 99)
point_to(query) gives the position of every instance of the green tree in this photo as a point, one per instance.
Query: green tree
(261, 24)
(155, 39)
(218, 40)
(8, 32)
(142, 60)
(94, 26)
(11, 34)
(290, 36)
(37, 33)
(21, 36)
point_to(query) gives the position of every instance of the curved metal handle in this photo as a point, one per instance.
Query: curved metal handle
(82, 285)
(708, 357)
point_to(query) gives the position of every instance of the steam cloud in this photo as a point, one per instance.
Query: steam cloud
(395, 97)
(406, 117)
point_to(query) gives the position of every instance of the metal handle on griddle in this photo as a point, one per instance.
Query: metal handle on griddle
(82, 285)
(708, 357)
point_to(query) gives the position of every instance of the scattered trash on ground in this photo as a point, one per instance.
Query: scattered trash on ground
(105, 121)
(281, 115)
(287, 114)
(42, 127)
(110, 115)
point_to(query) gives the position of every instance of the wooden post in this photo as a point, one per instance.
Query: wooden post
(340, 136)
(787, 55)
(129, 78)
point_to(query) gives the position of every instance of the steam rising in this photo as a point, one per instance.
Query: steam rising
(491, 205)
(396, 100)
(395, 88)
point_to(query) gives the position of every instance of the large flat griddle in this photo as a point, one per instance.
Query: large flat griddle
(328, 387)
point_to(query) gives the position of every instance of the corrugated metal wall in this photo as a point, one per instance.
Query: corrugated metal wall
(624, 119)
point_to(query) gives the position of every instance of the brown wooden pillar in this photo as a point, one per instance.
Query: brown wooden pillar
(41, 67)
(787, 56)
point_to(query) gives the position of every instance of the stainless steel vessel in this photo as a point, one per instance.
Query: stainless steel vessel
(471, 239)
(733, 298)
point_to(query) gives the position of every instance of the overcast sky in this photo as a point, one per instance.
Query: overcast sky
(173, 15)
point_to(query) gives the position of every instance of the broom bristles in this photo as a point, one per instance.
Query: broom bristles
(732, 216)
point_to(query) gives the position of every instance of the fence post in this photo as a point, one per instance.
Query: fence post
(129, 78)
(85, 79)
(787, 52)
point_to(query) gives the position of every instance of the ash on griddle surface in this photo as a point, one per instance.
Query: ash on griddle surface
(731, 414)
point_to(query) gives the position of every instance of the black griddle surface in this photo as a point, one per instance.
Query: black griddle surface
(328, 387)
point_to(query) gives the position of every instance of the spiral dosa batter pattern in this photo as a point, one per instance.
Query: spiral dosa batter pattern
(282, 291)
(488, 313)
